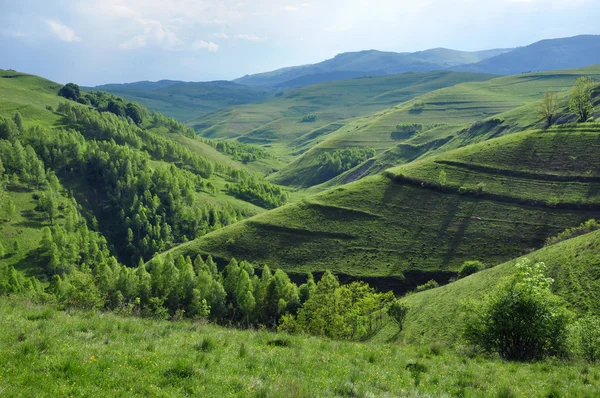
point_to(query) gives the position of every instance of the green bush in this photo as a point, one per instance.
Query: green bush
(428, 285)
(586, 333)
(522, 320)
(470, 267)
(397, 311)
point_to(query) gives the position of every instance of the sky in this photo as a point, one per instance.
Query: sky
(93, 42)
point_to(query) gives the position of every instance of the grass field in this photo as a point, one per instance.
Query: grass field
(47, 352)
(451, 117)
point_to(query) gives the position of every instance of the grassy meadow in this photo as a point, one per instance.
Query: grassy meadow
(48, 352)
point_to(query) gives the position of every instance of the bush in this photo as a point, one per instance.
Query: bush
(586, 333)
(470, 267)
(522, 320)
(584, 228)
(308, 118)
(397, 311)
(428, 285)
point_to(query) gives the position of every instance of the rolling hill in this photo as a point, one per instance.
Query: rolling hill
(545, 55)
(186, 100)
(365, 63)
(404, 228)
(573, 264)
(446, 118)
(277, 122)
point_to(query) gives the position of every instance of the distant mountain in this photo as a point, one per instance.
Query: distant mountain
(545, 55)
(187, 100)
(366, 63)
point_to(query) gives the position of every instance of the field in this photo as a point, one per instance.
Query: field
(49, 352)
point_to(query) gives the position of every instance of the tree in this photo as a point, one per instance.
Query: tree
(470, 267)
(587, 338)
(70, 91)
(18, 119)
(581, 99)
(547, 107)
(11, 210)
(134, 112)
(48, 203)
(2, 251)
(522, 320)
(397, 311)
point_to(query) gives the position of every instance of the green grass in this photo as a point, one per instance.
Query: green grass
(434, 315)
(277, 120)
(49, 352)
(29, 95)
(384, 227)
(446, 117)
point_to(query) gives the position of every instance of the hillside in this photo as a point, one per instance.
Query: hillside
(397, 226)
(277, 123)
(545, 55)
(573, 264)
(365, 63)
(186, 100)
(134, 185)
(434, 122)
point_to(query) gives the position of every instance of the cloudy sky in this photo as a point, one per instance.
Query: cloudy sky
(100, 41)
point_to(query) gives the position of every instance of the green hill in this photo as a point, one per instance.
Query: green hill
(573, 264)
(447, 118)
(142, 187)
(403, 224)
(366, 63)
(277, 123)
(186, 100)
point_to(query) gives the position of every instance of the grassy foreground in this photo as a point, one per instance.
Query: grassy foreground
(48, 352)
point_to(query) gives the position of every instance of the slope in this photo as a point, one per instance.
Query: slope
(552, 54)
(278, 122)
(398, 226)
(573, 264)
(366, 63)
(445, 119)
(186, 100)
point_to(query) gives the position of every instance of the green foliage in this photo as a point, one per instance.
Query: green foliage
(586, 336)
(259, 192)
(70, 91)
(405, 131)
(432, 284)
(351, 311)
(240, 151)
(470, 267)
(442, 178)
(334, 163)
(398, 311)
(548, 107)
(580, 102)
(582, 229)
(308, 118)
(522, 320)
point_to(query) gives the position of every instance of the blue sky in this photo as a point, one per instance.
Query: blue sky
(102, 41)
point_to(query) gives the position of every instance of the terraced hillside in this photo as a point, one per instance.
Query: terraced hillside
(447, 118)
(404, 224)
(277, 121)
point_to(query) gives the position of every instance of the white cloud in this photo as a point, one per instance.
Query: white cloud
(205, 45)
(63, 32)
(290, 8)
(221, 35)
(154, 33)
(249, 37)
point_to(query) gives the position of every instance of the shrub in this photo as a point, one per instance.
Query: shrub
(428, 285)
(584, 228)
(522, 320)
(308, 118)
(470, 267)
(397, 311)
(586, 333)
